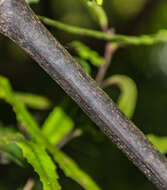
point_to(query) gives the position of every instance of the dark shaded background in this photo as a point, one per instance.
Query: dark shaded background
(146, 65)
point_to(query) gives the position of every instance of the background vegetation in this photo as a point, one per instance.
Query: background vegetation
(48, 118)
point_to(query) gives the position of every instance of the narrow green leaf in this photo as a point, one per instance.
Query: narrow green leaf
(33, 101)
(9, 149)
(12, 152)
(88, 54)
(128, 97)
(85, 65)
(8, 138)
(72, 170)
(98, 13)
(32, 1)
(5, 90)
(22, 114)
(67, 165)
(99, 2)
(42, 164)
(4, 130)
(38, 158)
(159, 142)
(57, 125)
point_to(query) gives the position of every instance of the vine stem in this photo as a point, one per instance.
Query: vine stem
(29, 185)
(19, 23)
(160, 36)
(110, 49)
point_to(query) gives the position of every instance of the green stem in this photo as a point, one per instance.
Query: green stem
(160, 36)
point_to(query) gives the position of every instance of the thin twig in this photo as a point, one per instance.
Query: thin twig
(160, 36)
(109, 52)
(110, 49)
(29, 185)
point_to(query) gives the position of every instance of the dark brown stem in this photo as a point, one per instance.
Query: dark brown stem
(29, 185)
(110, 49)
(19, 23)
(109, 52)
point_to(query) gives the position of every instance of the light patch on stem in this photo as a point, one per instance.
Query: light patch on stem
(1, 1)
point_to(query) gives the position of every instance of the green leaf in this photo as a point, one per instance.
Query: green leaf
(128, 9)
(86, 53)
(98, 13)
(33, 101)
(22, 114)
(37, 157)
(32, 1)
(10, 138)
(72, 170)
(12, 152)
(128, 97)
(57, 125)
(42, 164)
(99, 2)
(159, 142)
(6, 129)
(69, 167)
(84, 65)
(9, 149)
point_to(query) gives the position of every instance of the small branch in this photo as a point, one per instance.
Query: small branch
(110, 49)
(29, 185)
(159, 37)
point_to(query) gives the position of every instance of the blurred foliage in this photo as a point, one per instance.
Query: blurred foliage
(50, 127)
(99, 2)
(33, 101)
(128, 9)
(32, 1)
(98, 12)
(159, 142)
(64, 125)
(85, 65)
(128, 95)
(87, 54)
(37, 157)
